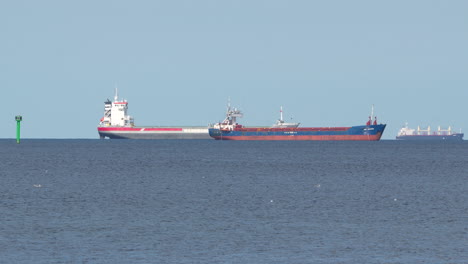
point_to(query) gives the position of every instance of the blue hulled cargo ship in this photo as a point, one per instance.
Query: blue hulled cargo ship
(229, 129)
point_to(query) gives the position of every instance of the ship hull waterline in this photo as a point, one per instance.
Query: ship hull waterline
(454, 137)
(355, 133)
(153, 133)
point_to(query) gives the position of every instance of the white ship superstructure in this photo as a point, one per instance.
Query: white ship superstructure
(230, 122)
(115, 113)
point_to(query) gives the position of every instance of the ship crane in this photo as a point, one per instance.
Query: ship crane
(280, 123)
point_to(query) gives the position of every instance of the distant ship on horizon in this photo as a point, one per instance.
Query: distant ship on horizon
(407, 133)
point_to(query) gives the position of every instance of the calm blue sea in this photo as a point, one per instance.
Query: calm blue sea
(206, 201)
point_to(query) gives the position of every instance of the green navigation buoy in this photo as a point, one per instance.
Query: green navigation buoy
(18, 127)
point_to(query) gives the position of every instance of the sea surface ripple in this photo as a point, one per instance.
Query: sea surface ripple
(207, 201)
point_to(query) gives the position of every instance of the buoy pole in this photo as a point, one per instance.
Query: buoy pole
(18, 127)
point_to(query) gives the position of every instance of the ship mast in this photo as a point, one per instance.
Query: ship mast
(116, 96)
(281, 114)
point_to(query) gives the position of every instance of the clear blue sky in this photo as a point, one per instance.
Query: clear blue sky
(177, 62)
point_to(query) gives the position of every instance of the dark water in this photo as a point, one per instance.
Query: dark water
(203, 201)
